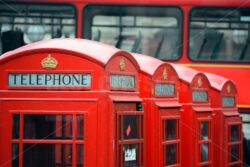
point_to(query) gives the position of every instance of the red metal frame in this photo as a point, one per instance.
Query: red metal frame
(224, 69)
(95, 102)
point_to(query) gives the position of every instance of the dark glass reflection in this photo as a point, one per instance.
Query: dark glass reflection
(234, 131)
(80, 127)
(234, 153)
(79, 155)
(204, 152)
(49, 155)
(15, 155)
(130, 127)
(15, 126)
(47, 126)
(171, 152)
(131, 157)
(204, 130)
(170, 129)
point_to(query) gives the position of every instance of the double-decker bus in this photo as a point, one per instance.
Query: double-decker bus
(208, 35)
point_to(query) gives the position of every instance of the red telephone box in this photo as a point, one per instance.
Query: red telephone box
(70, 102)
(196, 118)
(227, 137)
(159, 91)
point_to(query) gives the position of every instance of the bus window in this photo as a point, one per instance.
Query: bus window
(154, 31)
(25, 23)
(219, 34)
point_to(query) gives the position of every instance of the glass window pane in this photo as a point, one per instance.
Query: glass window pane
(80, 127)
(171, 154)
(53, 155)
(204, 152)
(234, 133)
(204, 130)
(79, 155)
(154, 31)
(15, 155)
(35, 22)
(131, 157)
(170, 131)
(226, 40)
(234, 153)
(15, 126)
(130, 127)
(47, 126)
(246, 130)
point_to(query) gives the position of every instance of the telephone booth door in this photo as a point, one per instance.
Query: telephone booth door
(233, 129)
(204, 137)
(49, 134)
(170, 137)
(129, 134)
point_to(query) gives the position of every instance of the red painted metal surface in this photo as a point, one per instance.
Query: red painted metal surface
(96, 102)
(196, 115)
(225, 115)
(162, 108)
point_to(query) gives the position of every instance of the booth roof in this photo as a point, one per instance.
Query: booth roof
(186, 74)
(217, 82)
(147, 64)
(96, 51)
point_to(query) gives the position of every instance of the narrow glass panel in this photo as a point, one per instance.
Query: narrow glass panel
(171, 152)
(15, 155)
(47, 126)
(234, 133)
(234, 153)
(130, 127)
(51, 155)
(15, 126)
(170, 129)
(79, 155)
(80, 127)
(131, 157)
(204, 130)
(204, 152)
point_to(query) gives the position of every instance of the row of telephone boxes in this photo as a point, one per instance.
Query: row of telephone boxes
(72, 102)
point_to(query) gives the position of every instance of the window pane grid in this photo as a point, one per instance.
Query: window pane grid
(54, 152)
(170, 141)
(130, 138)
(204, 142)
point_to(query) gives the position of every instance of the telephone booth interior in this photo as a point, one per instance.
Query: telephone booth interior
(159, 92)
(196, 118)
(227, 137)
(55, 105)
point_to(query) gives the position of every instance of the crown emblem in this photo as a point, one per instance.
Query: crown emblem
(165, 74)
(228, 89)
(122, 65)
(199, 82)
(49, 62)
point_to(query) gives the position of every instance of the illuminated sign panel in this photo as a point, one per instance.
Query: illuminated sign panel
(162, 89)
(199, 95)
(122, 81)
(48, 80)
(228, 101)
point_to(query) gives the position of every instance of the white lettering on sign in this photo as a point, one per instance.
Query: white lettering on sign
(199, 95)
(122, 81)
(228, 101)
(130, 154)
(164, 89)
(49, 80)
